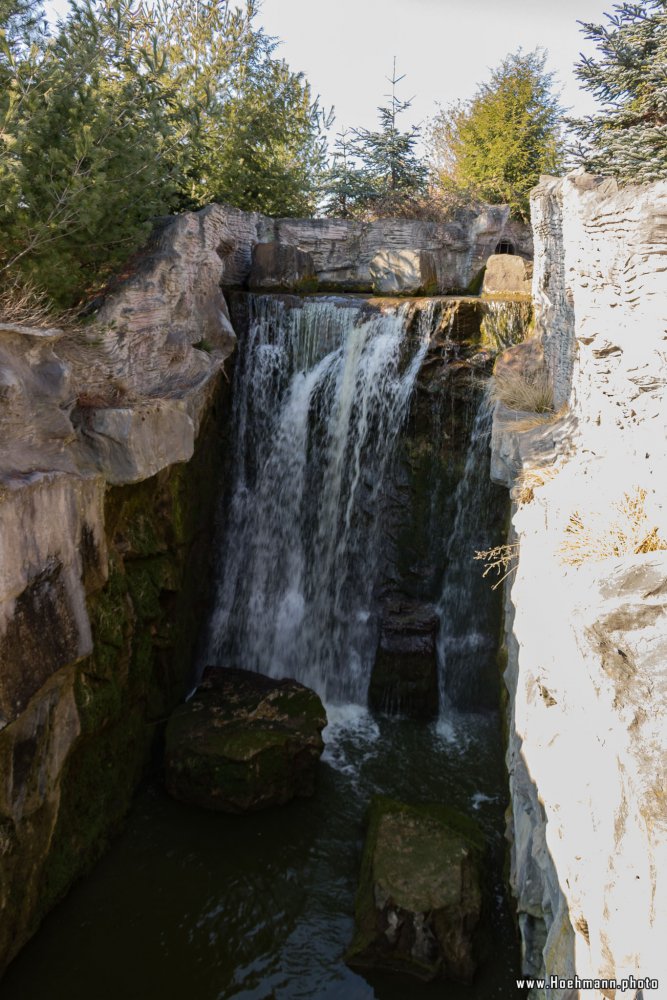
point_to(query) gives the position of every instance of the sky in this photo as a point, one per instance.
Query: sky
(445, 48)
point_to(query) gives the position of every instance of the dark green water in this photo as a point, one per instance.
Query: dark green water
(190, 904)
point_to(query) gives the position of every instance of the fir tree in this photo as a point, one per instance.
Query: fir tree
(628, 138)
(393, 171)
(85, 135)
(253, 132)
(494, 147)
(346, 185)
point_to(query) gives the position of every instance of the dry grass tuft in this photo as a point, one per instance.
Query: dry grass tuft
(595, 537)
(531, 480)
(24, 304)
(531, 392)
(501, 559)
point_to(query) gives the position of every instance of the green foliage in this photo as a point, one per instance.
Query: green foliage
(253, 131)
(628, 138)
(129, 112)
(494, 147)
(85, 136)
(377, 172)
(346, 185)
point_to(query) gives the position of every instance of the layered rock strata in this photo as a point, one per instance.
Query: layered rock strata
(586, 609)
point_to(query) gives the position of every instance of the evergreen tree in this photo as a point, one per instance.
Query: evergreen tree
(253, 132)
(392, 171)
(85, 137)
(346, 185)
(494, 147)
(628, 138)
(130, 111)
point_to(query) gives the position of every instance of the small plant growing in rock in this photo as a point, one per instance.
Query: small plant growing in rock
(501, 559)
(592, 536)
(533, 479)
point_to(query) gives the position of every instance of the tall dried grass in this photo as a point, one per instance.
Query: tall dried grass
(501, 559)
(592, 536)
(527, 391)
(24, 304)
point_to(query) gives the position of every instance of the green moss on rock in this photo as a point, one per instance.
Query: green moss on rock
(419, 900)
(244, 742)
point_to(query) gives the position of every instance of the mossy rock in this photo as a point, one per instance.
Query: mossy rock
(419, 901)
(244, 742)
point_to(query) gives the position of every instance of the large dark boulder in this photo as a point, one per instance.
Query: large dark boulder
(244, 741)
(404, 680)
(419, 900)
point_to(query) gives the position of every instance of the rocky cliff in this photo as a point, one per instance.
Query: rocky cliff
(108, 476)
(586, 606)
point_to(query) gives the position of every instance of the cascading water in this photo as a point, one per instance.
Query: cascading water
(321, 392)
(467, 611)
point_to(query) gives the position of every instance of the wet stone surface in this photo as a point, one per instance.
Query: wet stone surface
(244, 742)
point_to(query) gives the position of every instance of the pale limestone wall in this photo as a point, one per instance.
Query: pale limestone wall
(587, 644)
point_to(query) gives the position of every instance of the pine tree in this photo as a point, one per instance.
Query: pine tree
(85, 144)
(494, 147)
(628, 138)
(393, 172)
(253, 133)
(346, 185)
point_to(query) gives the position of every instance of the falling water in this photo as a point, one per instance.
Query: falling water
(321, 392)
(468, 632)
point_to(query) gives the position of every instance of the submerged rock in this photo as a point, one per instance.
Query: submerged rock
(405, 673)
(419, 898)
(244, 741)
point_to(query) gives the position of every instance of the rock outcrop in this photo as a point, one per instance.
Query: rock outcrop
(108, 477)
(586, 612)
(419, 900)
(396, 256)
(243, 742)
(507, 274)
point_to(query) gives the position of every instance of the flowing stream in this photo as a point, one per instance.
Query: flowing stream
(197, 905)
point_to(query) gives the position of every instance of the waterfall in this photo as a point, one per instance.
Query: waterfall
(467, 608)
(321, 391)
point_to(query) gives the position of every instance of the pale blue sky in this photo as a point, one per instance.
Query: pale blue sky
(445, 47)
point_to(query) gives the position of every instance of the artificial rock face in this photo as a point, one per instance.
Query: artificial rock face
(585, 606)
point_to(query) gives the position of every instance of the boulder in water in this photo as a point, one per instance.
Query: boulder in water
(244, 741)
(419, 899)
(404, 680)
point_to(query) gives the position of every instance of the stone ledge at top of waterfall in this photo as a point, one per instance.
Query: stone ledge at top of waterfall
(385, 257)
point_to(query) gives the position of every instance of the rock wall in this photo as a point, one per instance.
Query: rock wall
(112, 437)
(389, 256)
(586, 613)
